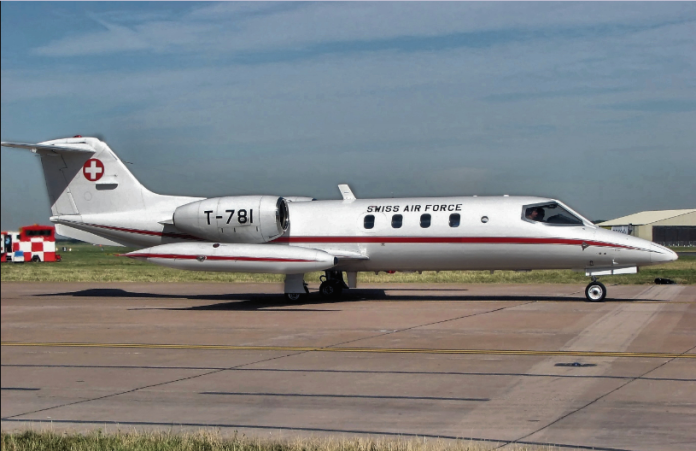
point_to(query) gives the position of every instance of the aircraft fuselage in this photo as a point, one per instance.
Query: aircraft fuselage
(491, 234)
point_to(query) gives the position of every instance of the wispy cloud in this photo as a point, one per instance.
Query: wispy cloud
(657, 106)
(573, 92)
(411, 98)
(311, 28)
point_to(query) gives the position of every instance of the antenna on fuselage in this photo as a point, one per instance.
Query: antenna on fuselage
(346, 192)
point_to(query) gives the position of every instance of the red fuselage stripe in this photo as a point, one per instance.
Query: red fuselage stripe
(394, 239)
(444, 240)
(218, 258)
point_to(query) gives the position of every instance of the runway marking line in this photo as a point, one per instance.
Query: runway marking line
(515, 352)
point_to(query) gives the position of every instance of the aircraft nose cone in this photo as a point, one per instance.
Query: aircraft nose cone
(662, 255)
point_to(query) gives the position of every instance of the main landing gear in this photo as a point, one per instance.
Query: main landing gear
(295, 287)
(294, 297)
(595, 291)
(332, 284)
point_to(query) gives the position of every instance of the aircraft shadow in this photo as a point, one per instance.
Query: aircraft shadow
(276, 302)
(232, 302)
(376, 295)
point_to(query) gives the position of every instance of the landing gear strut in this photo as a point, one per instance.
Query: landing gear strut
(295, 287)
(595, 291)
(332, 284)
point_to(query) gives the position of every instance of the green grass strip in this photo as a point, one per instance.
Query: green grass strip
(212, 440)
(88, 263)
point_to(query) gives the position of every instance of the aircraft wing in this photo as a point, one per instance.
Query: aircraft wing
(49, 147)
(347, 255)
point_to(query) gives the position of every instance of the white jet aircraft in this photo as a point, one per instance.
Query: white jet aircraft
(95, 198)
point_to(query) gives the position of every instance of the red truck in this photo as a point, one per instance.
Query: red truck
(34, 243)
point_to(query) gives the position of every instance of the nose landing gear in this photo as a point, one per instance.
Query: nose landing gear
(595, 291)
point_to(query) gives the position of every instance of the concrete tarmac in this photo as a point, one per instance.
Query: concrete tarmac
(528, 364)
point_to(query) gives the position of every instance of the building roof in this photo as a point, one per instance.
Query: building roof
(646, 217)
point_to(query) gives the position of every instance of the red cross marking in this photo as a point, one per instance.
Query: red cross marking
(93, 169)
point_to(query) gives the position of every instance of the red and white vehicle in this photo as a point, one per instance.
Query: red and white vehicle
(8, 240)
(36, 243)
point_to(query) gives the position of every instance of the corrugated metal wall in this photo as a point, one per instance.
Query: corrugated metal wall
(674, 235)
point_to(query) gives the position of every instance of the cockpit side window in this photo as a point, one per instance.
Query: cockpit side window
(551, 213)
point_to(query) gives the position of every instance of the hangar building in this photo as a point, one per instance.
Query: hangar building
(665, 227)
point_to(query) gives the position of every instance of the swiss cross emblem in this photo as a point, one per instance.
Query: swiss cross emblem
(93, 169)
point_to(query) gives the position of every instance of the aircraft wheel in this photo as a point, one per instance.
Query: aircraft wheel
(36, 259)
(294, 297)
(595, 292)
(330, 290)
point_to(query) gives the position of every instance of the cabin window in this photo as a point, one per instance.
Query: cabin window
(551, 213)
(425, 221)
(454, 220)
(397, 221)
(369, 221)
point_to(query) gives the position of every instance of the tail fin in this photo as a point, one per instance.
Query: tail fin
(84, 176)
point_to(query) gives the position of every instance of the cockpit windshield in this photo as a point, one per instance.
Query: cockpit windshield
(551, 213)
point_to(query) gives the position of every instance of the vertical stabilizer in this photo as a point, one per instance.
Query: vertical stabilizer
(84, 176)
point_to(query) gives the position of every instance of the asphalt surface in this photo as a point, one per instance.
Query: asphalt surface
(502, 363)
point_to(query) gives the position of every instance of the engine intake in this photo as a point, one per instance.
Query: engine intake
(234, 219)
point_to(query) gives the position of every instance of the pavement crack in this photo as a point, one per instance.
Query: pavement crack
(159, 384)
(208, 373)
(563, 417)
(425, 325)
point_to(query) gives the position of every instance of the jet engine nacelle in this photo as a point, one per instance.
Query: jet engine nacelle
(234, 219)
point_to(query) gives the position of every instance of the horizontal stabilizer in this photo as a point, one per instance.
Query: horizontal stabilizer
(87, 237)
(86, 149)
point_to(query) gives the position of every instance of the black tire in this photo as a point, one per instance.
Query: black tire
(294, 297)
(330, 290)
(36, 259)
(596, 292)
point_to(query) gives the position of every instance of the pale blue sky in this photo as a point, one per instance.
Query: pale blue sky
(592, 103)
